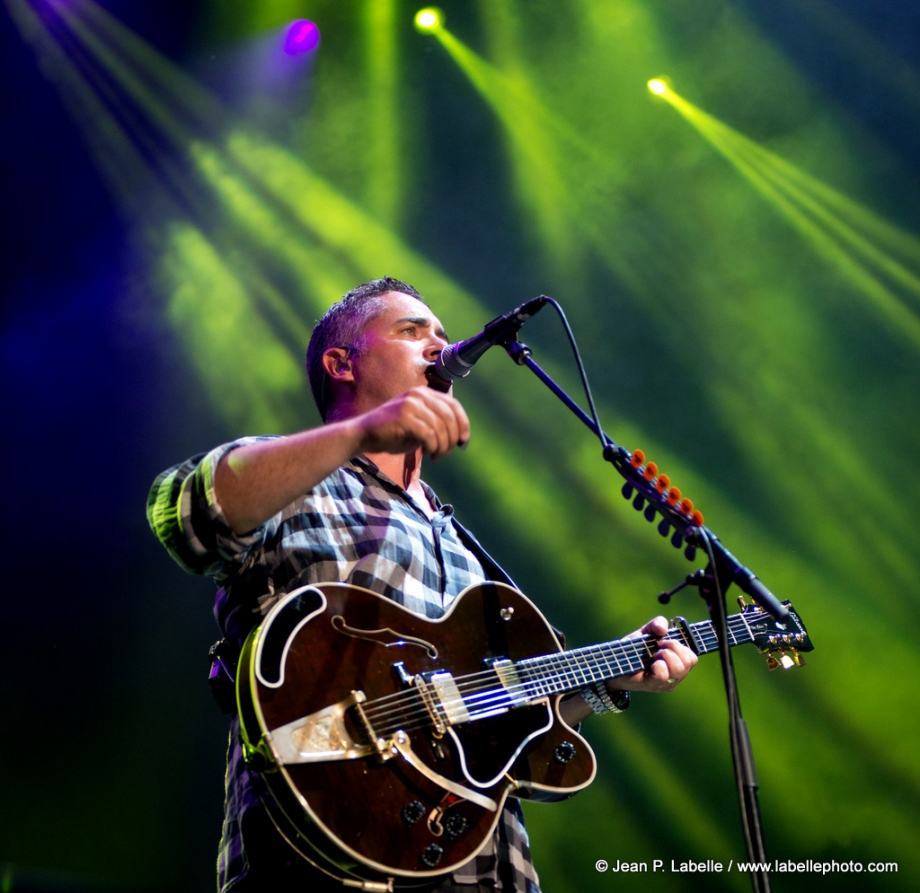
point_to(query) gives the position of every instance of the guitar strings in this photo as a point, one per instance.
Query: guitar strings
(480, 696)
(575, 669)
(584, 661)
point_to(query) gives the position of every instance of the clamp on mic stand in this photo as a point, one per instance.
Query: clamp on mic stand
(644, 486)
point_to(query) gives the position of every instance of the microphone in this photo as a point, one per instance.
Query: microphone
(456, 360)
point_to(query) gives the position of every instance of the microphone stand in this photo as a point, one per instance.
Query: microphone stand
(650, 492)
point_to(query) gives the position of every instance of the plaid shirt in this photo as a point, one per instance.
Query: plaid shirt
(356, 526)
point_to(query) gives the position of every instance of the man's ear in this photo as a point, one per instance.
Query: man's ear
(337, 364)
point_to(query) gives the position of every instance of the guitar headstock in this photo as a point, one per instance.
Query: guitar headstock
(781, 640)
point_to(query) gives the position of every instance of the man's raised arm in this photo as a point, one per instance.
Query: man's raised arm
(255, 481)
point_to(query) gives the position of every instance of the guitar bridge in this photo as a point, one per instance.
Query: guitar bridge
(322, 736)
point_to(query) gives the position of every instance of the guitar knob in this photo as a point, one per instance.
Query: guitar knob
(564, 752)
(431, 855)
(413, 812)
(455, 824)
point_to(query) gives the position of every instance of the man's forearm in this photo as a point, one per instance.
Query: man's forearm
(254, 482)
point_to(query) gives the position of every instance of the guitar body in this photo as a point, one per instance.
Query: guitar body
(365, 807)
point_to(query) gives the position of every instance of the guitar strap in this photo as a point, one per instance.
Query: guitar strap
(493, 570)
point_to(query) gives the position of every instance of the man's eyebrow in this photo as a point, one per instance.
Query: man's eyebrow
(422, 321)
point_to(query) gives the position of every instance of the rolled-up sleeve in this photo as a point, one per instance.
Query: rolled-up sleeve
(183, 512)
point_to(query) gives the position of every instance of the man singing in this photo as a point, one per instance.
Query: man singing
(345, 502)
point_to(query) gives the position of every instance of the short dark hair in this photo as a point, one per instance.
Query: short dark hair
(342, 325)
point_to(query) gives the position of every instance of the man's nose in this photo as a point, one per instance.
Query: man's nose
(435, 347)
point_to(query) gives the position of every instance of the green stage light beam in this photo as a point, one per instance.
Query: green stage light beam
(253, 379)
(569, 186)
(536, 141)
(385, 175)
(869, 494)
(848, 217)
(803, 201)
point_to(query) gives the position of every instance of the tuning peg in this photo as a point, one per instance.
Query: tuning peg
(628, 490)
(664, 527)
(785, 660)
(650, 513)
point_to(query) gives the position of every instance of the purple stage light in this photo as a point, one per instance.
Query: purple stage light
(302, 36)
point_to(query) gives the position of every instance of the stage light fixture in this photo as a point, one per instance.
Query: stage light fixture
(302, 37)
(429, 19)
(658, 86)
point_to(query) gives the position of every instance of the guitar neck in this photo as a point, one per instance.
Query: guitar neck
(568, 671)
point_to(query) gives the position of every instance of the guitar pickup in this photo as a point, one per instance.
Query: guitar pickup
(442, 699)
(511, 682)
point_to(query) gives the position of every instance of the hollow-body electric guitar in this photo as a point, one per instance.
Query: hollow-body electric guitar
(388, 742)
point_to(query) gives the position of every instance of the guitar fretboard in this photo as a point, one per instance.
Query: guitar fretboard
(567, 671)
(455, 700)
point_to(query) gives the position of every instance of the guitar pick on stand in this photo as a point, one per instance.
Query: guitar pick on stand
(653, 494)
(660, 486)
